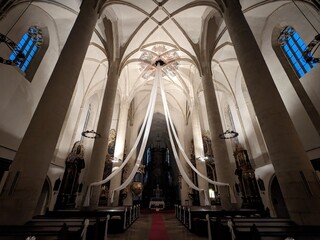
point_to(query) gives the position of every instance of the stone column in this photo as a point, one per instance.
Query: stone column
(184, 192)
(100, 146)
(219, 147)
(298, 183)
(198, 152)
(31, 163)
(119, 148)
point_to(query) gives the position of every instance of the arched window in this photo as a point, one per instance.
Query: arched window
(28, 45)
(293, 47)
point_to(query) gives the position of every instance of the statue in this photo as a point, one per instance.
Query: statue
(70, 182)
(157, 192)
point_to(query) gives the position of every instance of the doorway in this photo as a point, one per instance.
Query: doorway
(44, 199)
(277, 199)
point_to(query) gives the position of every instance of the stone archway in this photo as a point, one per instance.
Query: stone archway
(44, 199)
(277, 199)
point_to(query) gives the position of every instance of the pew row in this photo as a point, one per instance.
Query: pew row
(75, 224)
(194, 217)
(244, 224)
(261, 229)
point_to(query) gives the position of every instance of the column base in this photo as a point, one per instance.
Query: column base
(301, 193)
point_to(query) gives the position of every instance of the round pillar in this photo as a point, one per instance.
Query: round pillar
(100, 146)
(198, 152)
(30, 166)
(219, 147)
(119, 148)
(297, 179)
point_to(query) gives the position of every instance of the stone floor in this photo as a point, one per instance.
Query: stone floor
(140, 229)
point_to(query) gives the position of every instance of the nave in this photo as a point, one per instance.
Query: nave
(191, 222)
(94, 89)
(156, 226)
(186, 222)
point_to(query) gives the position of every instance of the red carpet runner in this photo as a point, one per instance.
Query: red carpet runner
(158, 229)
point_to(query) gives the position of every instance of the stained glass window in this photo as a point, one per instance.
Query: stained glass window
(28, 45)
(293, 46)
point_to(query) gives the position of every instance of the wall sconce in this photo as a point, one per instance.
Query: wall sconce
(212, 194)
(115, 159)
(202, 158)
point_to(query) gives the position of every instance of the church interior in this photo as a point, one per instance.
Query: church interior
(121, 112)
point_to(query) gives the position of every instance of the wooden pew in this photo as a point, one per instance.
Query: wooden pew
(121, 215)
(120, 218)
(247, 225)
(261, 229)
(61, 232)
(259, 232)
(194, 217)
(69, 224)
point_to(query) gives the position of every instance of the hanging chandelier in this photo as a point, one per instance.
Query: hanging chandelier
(228, 134)
(90, 134)
(308, 54)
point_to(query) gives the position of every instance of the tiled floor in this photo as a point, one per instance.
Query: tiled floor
(141, 227)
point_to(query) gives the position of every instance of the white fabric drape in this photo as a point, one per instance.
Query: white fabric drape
(145, 128)
(166, 110)
(85, 229)
(153, 96)
(169, 127)
(230, 226)
(209, 227)
(145, 136)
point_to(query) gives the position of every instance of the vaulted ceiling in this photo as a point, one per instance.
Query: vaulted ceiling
(181, 33)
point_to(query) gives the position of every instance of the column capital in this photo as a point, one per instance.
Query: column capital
(114, 66)
(227, 4)
(206, 69)
(99, 5)
(125, 103)
(94, 4)
(207, 75)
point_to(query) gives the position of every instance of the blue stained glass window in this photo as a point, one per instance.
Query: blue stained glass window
(28, 45)
(293, 46)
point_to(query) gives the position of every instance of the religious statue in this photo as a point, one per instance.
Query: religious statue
(247, 181)
(103, 199)
(70, 182)
(157, 192)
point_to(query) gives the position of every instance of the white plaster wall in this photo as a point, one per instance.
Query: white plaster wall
(266, 173)
(303, 125)
(18, 96)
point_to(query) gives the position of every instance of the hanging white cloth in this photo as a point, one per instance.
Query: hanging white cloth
(168, 118)
(209, 227)
(180, 167)
(85, 229)
(31, 238)
(153, 96)
(145, 137)
(146, 130)
(230, 226)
